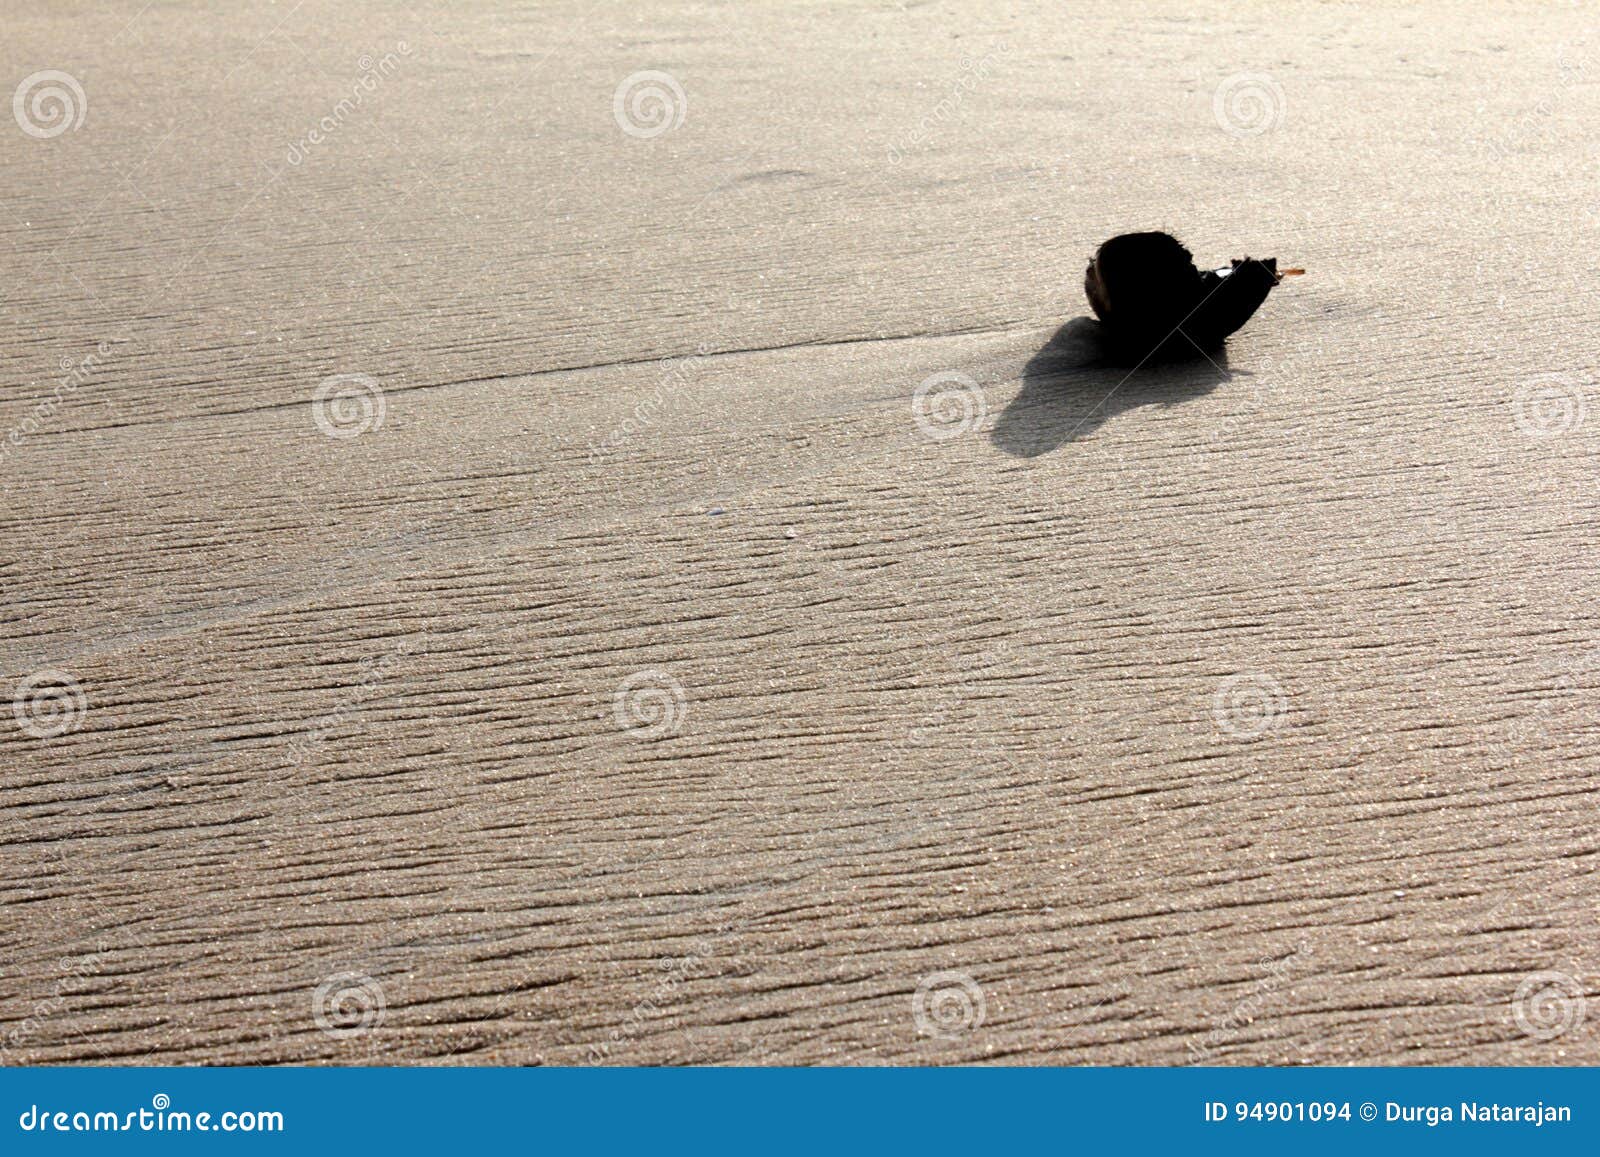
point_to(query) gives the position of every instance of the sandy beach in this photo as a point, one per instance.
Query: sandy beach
(587, 533)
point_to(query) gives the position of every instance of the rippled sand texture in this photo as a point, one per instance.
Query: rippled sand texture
(598, 533)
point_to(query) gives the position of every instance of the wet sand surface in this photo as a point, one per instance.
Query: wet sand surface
(596, 533)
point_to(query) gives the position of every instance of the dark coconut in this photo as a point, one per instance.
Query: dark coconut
(1153, 302)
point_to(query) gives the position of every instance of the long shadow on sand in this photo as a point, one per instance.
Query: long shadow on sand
(1072, 386)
